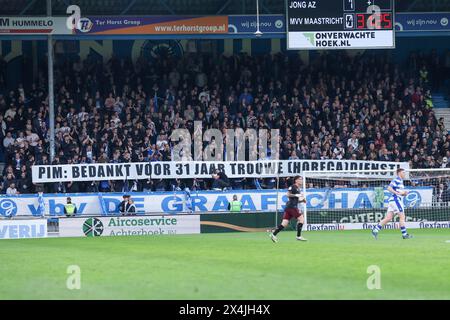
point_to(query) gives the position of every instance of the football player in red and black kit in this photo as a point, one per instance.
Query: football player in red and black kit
(291, 210)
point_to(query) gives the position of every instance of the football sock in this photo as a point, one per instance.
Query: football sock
(278, 229)
(403, 229)
(299, 229)
(377, 228)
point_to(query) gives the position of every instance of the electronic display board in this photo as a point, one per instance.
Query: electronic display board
(340, 24)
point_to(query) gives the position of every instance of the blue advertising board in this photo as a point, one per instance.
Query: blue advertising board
(247, 24)
(408, 22)
(205, 201)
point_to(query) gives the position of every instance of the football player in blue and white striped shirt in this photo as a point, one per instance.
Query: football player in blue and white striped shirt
(395, 206)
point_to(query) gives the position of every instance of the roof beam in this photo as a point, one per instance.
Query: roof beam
(412, 5)
(225, 5)
(28, 6)
(264, 7)
(129, 6)
(165, 5)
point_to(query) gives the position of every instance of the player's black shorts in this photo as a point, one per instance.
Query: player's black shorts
(291, 213)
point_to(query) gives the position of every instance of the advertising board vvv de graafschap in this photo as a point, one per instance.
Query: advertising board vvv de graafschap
(340, 24)
(205, 201)
(129, 226)
(23, 229)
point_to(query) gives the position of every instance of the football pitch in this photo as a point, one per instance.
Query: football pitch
(331, 265)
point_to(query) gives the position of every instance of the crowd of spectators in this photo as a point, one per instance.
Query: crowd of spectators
(337, 106)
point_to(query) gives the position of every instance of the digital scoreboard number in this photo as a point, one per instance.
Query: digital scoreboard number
(340, 24)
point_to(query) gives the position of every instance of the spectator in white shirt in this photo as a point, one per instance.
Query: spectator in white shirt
(11, 112)
(353, 141)
(339, 151)
(8, 140)
(12, 190)
(20, 140)
(2, 125)
(32, 138)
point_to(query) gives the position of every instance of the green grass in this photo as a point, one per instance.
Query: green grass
(332, 265)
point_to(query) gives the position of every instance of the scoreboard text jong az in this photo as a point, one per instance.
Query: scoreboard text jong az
(340, 24)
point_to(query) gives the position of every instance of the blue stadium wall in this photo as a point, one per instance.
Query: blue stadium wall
(19, 54)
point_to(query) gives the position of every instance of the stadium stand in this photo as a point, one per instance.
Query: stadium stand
(336, 107)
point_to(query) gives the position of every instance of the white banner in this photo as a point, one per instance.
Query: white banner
(342, 39)
(204, 201)
(33, 25)
(23, 229)
(129, 226)
(203, 169)
(370, 226)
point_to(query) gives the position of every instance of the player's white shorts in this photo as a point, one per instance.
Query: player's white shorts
(395, 206)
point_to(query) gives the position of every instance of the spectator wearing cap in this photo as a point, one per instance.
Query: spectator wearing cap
(127, 206)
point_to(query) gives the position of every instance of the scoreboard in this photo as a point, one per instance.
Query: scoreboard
(340, 24)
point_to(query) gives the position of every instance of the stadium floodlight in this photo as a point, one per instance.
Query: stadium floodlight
(348, 200)
(258, 32)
